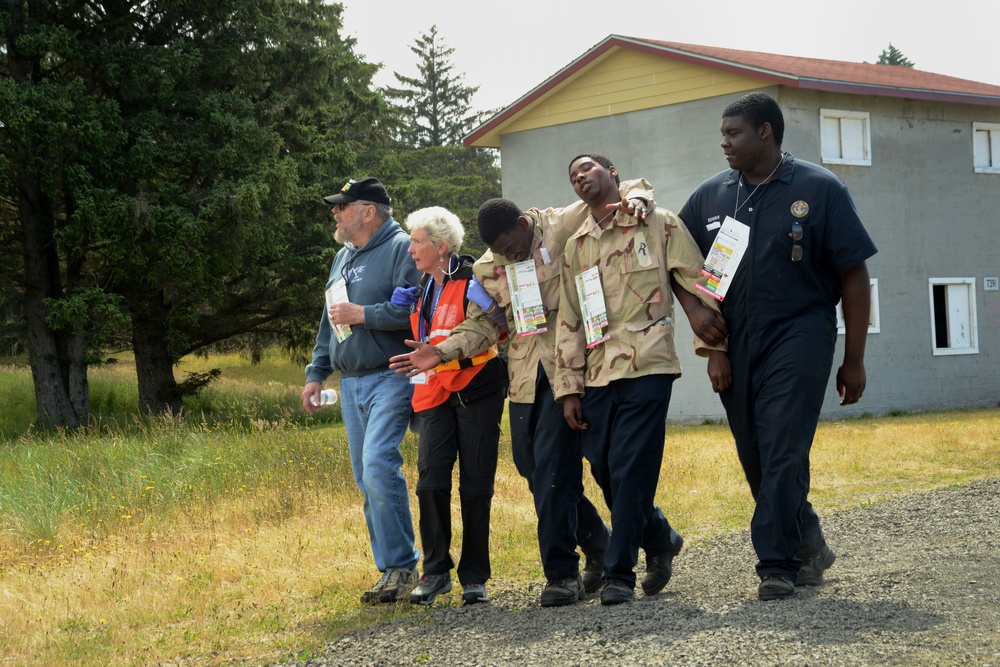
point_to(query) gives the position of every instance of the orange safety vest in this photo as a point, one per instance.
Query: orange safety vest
(450, 376)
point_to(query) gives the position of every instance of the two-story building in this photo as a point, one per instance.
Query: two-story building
(920, 153)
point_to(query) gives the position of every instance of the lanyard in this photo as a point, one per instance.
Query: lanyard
(424, 323)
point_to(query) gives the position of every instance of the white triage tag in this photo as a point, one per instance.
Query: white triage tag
(724, 257)
(337, 293)
(420, 378)
(526, 298)
(592, 308)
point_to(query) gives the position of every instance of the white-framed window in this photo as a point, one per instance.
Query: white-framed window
(845, 137)
(953, 316)
(986, 148)
(873, 319)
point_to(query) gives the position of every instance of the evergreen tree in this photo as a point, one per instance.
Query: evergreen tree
(893, 56)
(457, 178)
(161, 167)
(436, 106)
(433, 168)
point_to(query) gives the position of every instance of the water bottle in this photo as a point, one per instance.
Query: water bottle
(327, 397)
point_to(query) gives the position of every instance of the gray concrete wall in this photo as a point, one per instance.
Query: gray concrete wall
(929, 213)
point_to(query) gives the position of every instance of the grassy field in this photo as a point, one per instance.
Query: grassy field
(235, 535)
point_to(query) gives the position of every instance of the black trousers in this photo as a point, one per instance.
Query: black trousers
(469, 433)
(624, 444)
(780, 374)
(548, 454)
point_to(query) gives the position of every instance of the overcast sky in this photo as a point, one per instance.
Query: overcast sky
(509, 47)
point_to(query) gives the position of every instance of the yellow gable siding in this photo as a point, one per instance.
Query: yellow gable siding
(624, 80)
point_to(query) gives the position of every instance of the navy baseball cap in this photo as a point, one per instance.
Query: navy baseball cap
(368, 189)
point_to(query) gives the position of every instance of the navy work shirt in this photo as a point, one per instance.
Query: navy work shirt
(768, 283)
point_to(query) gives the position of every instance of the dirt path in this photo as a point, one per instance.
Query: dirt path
(916, 582)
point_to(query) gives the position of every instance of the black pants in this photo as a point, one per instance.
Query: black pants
(471, 434)
(624, 444)
(780, 374)
(547, 453)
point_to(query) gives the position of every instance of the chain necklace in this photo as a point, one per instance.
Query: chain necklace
(601, 221)
(739, 184)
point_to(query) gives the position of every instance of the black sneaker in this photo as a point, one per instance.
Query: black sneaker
(660, 567)
(813, 566)
(474, 594)
(560, 592)
(429, 587)
(593, 571)
(775, 587)
(616, 591)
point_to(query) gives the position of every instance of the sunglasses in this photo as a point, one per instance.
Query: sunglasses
(341, 207)
(796, 235)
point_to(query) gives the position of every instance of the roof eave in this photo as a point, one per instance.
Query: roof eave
(894, 91)
(538, 91)
(769, 76)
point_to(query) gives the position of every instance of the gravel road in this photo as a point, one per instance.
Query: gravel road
(916, 582)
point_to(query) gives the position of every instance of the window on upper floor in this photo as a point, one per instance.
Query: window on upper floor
(953, 316)
(845, 137)
(986, 148)
(873, 320)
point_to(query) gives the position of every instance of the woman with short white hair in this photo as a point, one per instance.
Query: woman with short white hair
(459, 405)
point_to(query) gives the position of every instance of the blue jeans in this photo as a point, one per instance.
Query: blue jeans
(376, 411)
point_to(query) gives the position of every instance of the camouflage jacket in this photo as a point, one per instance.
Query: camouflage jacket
(637, 299)
(553, 228)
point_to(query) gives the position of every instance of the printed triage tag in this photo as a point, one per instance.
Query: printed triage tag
(526, 298)
(592, 308)
(724, 257)
(337, 293)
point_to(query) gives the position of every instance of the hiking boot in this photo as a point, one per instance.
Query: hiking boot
(813, 565)
(775, 587)
(371, 595)
(659, 568)
(474, 594)
(397, 584)
(560, 592)
(429, 586)
(616, 591)
(592, 573)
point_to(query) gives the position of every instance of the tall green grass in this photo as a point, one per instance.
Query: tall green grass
(244, 395)
(59, 486)
(240, 439)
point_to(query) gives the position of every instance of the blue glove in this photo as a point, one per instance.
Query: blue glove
(404, 296)
(477, 294)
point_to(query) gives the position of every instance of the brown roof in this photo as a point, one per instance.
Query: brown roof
(792, 71)
(828, 71)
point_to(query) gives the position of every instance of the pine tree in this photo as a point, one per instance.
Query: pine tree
(893, 56)
(435, 108)
(434, 168)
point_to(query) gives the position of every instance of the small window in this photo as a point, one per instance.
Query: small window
(986, 147)
(873, 324)
(845, 137)
(953, 316)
